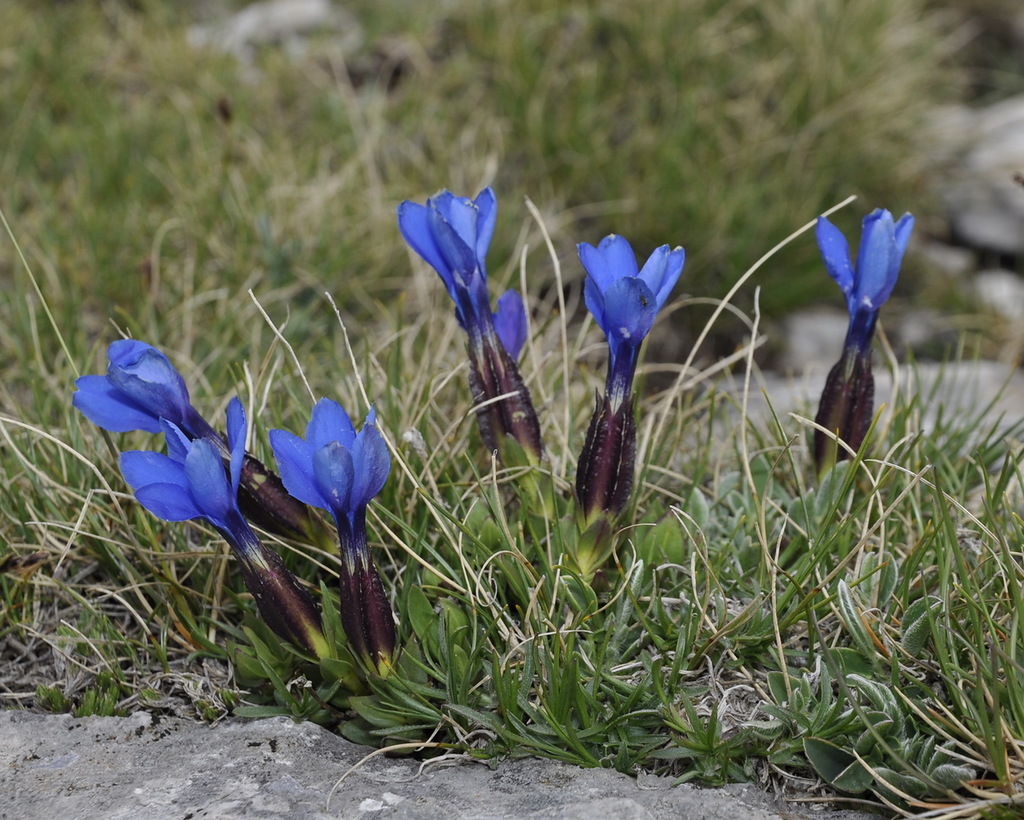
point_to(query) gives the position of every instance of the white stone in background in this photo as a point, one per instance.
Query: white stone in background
(959, 390)
(1001, 291)
(813, 338)
(277, 22)
(947, 259)
(986, 149)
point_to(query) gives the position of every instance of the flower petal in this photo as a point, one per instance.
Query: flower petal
(169, 502)
(334, 471)
(414, 225)
(204, 468)
(329, 422)
(147, 377)
(142, 467)
(661, 271)
(372, 463)
(510, 322)
(295, 462)
(107, 407)
(835, 251)
(629, 311)
(877, 241)
(236, 440)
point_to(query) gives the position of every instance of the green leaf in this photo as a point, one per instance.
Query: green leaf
(836, 766)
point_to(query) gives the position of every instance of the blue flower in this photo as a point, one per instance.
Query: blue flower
(870, 284)
(143, 391)
(625, 301)
(846, 407)
(334, 468)
(452, 235)
(141, 387)
(339, 470)
(510, 322)
(191, 482)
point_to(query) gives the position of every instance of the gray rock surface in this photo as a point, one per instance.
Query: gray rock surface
(985, 148)
(138, 768)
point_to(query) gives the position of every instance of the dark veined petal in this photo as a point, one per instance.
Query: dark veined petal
(334, 470)
(295, 461)
(107, 407)
(661, 271)
(204, 468)
(329, 422)
(835, 252)
(510, 322)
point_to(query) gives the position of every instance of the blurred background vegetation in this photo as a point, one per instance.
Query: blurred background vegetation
(151, 181)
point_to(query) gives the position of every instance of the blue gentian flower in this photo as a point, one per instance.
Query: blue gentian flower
(141, 387)
(452, 234)
(847, 401)
(339, 470)
(142, 390)
(191, 482)
(868, 285)
(624, 301)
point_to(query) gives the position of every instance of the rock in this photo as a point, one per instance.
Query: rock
(1001, 291)
(278, 22)
(985, 203)
(987, 391)
(127, 768)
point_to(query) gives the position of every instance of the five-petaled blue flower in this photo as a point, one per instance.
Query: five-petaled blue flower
(847, 402)
(868, 285)
(339, 470)
(452, 234)
(191, 482)
(141, 387)
(625, 301)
